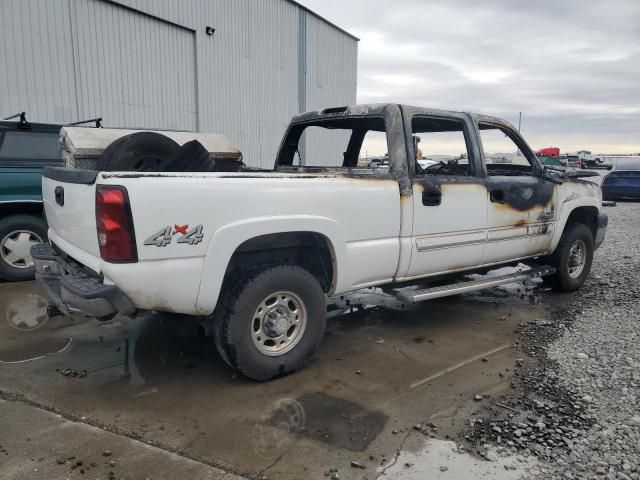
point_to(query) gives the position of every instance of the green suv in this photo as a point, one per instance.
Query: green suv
(25, 149)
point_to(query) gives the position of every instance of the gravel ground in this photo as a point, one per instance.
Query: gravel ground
(599, 357)
(575, 403)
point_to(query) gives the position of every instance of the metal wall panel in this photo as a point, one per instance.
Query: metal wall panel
(36, 65)
(331, 82)
(136, 70)
(81, 58)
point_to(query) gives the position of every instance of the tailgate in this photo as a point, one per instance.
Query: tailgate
(69, 205)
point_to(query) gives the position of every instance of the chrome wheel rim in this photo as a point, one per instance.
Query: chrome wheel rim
(278, 323)
(15, 248)
(577, 257)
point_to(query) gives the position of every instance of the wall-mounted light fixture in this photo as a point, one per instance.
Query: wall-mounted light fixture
(209, 30)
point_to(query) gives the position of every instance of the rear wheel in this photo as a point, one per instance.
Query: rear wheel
(572, 258)
(18, 233)
(270, 321)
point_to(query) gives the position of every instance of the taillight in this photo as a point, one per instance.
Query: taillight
(116, 236)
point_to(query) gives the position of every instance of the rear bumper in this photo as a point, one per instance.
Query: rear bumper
(601, 229)
(71, 288)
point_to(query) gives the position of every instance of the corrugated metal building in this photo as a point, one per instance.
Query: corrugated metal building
(156, 64)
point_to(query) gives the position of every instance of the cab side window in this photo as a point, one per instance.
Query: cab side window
(374, 152)
(440, 147)
(502, 155)
(29, 146)
(358, 145)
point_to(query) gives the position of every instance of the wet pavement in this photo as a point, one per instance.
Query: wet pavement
(379, 371)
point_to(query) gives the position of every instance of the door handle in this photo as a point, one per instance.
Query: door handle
(431, 197)
(496, 196)
(59, 195)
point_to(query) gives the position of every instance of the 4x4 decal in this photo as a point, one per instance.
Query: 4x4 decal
(164, 236)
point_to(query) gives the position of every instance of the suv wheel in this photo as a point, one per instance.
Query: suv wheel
(271, 321)
(18, 234)
(572, 258)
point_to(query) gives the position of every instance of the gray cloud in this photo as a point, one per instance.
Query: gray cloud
(572, 67)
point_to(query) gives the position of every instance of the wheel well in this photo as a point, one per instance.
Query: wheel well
(18, 208)
(309, 250)
(586, 215)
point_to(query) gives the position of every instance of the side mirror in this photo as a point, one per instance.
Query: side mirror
(551, 175)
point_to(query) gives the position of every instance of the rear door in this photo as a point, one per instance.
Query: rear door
(449, 196)
(521, 204)
(23, 154)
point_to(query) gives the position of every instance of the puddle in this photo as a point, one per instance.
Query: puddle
(27, 312)
(26, 335)
(171, 347)
(441, 460)
(331, 420)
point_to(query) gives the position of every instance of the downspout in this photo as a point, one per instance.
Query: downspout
(302, 75)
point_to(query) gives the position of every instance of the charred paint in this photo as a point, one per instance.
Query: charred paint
(441, 182)
(516, 196)
(510, 193)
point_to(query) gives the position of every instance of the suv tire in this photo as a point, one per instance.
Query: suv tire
(572, 258)
(17, 234)
(270, 321)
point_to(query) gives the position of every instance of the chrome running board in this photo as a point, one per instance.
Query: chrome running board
(413, 296)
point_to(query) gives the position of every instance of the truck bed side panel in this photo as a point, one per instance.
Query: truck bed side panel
(360, 217)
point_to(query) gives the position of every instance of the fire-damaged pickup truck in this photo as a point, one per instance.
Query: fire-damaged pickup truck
(257, 252)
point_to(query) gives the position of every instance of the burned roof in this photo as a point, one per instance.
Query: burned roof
(377, 109)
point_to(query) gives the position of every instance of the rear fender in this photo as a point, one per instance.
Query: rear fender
(227, 239)
(31, 205)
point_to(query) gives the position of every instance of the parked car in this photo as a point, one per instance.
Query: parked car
(379, 162)
(552, 161)
(25, 149)
(256, 253)
(425, 163)
(571, 160)
(623, 182)
(548, 152)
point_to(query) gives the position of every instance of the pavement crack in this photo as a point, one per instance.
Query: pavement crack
(384, 469)
(274, 463)
(18, 397)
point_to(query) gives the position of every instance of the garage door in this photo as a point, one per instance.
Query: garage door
(133, 69)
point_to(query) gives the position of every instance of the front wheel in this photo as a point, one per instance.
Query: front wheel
(572, 258)
(270, 321)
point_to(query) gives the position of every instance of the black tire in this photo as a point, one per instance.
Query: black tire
(236, 326)
(563, 280)
(190, 157)
(140, 152)
(13, 229)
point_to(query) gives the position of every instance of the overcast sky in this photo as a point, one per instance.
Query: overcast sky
(571, 66)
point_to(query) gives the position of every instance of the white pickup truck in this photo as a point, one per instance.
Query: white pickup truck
(259, 251)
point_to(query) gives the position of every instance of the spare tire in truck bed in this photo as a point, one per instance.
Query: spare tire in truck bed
(141, 152)
(190, 157)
